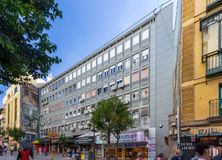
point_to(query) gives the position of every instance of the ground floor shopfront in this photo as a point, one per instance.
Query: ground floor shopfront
(211, 135)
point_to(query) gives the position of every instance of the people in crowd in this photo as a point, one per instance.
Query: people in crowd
(25, 153)
(140, 156)
(178, 155)
(1, 150)
(11, 149)
(160, 157)
(219, 156)
(202, 152)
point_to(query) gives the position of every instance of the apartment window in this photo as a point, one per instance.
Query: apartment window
(119, 81)
(120, 66)
(105, 88)
(145, 34)
(67, 114)
(66, 80)
(78, 85)
(136, 39)
(99, 60)
(83, 69)
(135, 76)
(78, 72)
(127, 63)
(127, 97)
(70, 89)
(112, 53)
(94, 78)
(135, 95)
(93, 93)
(99, 91)
(74, 87)
(88, 67)
(111, 84)
(70, 77)
(66, 92)
(135, 114)
(136, 60)
(145, 54)
(127, 44)
(74, 101)
(106, 73)
(105, 57)
(120, 48)
(145, 92)
(112, 70)
(83, 96)
(88, 95)
(83, 82)
(94, 63)
(144, 73)
(100, 75)
(88, 80)
(70, 101)
(127, 80)
(74, 74)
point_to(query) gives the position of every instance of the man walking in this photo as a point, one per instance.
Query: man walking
(177, 155)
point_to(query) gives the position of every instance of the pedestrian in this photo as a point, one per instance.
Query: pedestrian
(219, 156)
(25, 153)
(202, 152)
(1, 150)
(140, 156)
(11, 149)
(177, 155)
(160, 157)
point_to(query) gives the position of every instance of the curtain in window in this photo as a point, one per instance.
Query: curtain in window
(144, 73)
(135, 76)
(127, 80)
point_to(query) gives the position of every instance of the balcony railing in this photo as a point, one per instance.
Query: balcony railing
(213, 64)
(214, 108)
(212, 3)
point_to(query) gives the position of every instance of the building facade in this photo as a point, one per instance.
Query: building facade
(137, 66)
(201, 72)
(21, 109)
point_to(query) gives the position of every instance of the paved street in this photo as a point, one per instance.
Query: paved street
(37, 157)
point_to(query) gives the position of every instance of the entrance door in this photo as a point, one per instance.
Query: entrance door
(220, 100)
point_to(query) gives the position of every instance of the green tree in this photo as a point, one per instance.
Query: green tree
(62, 141)
(3, 132)
(16, 133)
(25, 48)
(111, 117)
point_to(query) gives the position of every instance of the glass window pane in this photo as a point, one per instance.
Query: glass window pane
(136, 39)
(145, 34)
(127, 44)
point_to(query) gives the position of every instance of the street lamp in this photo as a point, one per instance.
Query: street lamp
(92, 128)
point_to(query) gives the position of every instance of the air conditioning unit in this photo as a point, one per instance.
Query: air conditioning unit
(120, 85)
(113, 88)
(86, 112)
(81, 100)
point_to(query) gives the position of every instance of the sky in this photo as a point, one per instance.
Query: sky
(88, 24)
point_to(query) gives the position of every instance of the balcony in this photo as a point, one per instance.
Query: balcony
(211, 4)
(213, 64)
(215, 113)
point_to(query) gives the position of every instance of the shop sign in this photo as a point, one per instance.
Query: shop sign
(84, 140)
(130, 137)
(187, 144)
(206, 131)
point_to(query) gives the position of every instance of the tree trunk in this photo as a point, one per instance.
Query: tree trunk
(63, 150)
(116, 149)
(108, 146)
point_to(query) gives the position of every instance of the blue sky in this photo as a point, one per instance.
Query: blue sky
(88, 24)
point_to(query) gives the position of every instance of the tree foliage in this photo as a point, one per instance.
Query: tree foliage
(111, 117)
(3, 132)
(16, 133)
(62, 140)
(25, 48)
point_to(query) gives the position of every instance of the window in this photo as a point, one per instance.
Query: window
(135, 95)
(145, 92)
(144, 73)
(83, 69)
(145, 54)
(127, 80)
(127, 63)
(67, 114)
(70, 77)
(99, 91)
(136, 39)
(78, 72)
(120, 66)
(106, 73)
(66, 79)
(74, 74)
(70, 101)
(135, 76)
(83, 82)
(211, 38)
(70, 89)
(135, 114)
(83, 96)
(111, 84)
(105, 88)
(78, 85)
(127, 44)
(119, 48)
(145, 34)
(94, 63)
(127, 97)
(94, 78)
(112, 53)
(88, 80)
(105, 57)
(119, 81)
(136, 60)
(99, 60)
(88, 95)
(88, 67)
(100, 75)
(93, 93)
(112, 70)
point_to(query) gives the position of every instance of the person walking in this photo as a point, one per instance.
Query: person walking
(202, 152)
(25, 153)
(11, 149)
(219, 156)
(177, 155)
(140, 156)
